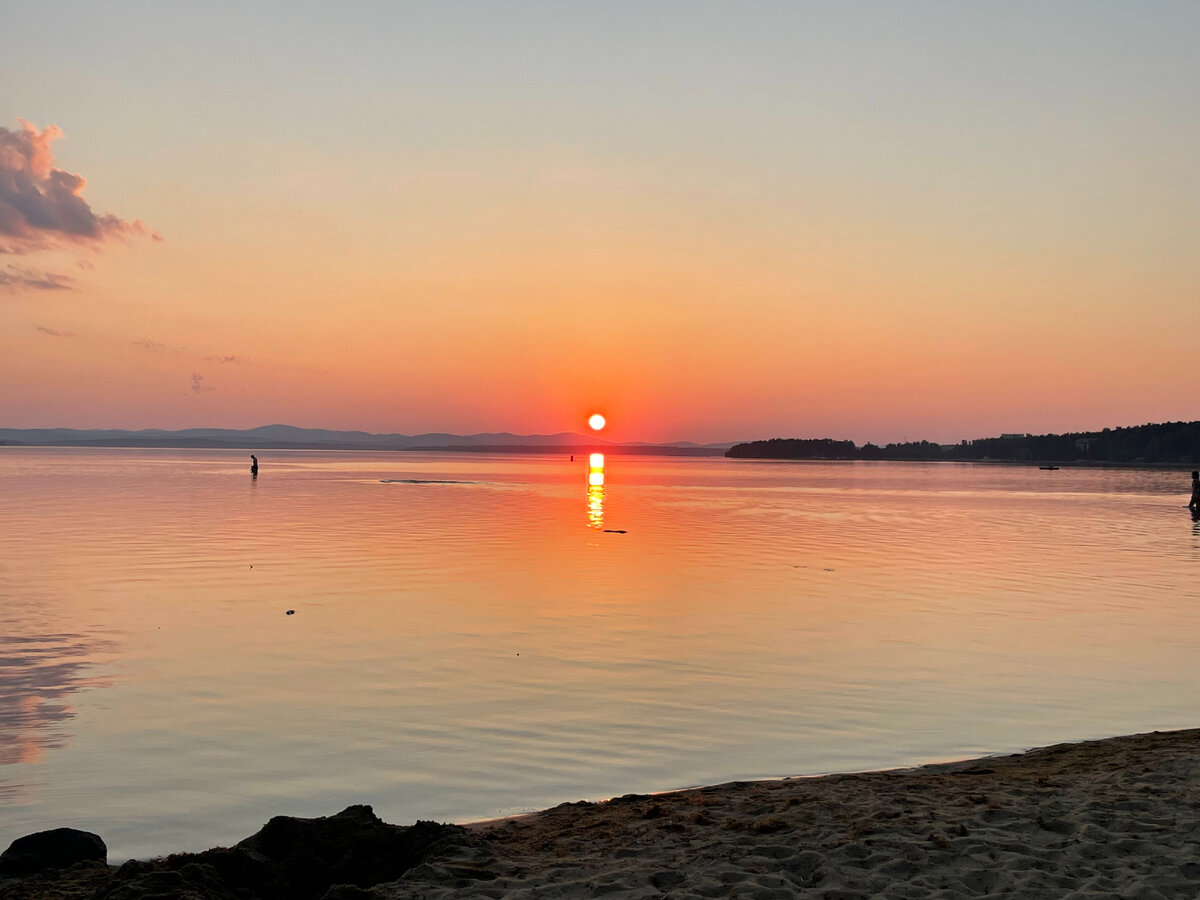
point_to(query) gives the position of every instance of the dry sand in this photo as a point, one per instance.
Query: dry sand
(1117, 818)
(1111, 818)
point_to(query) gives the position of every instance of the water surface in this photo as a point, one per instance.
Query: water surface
(472, 636)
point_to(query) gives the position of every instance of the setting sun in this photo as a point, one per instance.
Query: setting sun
(596, 421)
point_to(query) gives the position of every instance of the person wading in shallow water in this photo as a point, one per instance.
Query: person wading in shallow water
(1194, 506)
(253, 465)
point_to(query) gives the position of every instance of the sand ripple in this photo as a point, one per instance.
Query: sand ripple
(1113, 818)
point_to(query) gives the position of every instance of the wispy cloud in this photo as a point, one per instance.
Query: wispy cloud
(18, 278)
(43, 207)
(147, 344)
(198, 384)
(225, 360)
(46, 329)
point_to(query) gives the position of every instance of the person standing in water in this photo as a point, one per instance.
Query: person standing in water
(253, 465)
(1194, 506)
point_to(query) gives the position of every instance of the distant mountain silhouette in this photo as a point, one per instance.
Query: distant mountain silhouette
(289, 437)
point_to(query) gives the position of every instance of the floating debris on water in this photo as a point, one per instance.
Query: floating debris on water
(423, 481)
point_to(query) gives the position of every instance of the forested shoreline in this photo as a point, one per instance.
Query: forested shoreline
(1168, 443)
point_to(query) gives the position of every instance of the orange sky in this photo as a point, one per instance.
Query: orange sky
(711, 223)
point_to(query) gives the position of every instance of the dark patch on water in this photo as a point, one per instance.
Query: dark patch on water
(423, 481)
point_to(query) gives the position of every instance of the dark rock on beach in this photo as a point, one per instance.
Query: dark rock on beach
(59, 848)
(81, 881)
(336, 857)
(355, 847)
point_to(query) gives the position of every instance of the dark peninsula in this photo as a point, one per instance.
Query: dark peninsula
(1166, 444)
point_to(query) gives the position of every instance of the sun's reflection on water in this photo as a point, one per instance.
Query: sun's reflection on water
(595, 491)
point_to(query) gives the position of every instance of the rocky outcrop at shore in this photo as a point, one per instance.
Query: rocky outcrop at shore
(329, 858)
(59, 848)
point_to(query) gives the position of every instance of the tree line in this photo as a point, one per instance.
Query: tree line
(1164, 443)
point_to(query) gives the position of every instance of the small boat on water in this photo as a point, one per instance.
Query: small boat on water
(1048, 468)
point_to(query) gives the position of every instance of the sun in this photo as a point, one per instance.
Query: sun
(596, 421)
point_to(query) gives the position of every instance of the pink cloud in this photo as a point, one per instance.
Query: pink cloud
(43, 207)
(16, 278)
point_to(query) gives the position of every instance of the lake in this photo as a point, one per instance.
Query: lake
(476, 635)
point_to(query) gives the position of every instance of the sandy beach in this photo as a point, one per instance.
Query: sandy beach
(1110, 818)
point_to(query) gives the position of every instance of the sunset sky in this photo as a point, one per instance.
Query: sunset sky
(708, 221)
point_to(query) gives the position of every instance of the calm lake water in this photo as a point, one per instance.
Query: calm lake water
(469, 641)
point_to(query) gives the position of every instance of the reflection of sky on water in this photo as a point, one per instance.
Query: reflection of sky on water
(38, 674)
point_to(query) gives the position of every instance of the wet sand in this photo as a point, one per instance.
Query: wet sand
(1116, 818)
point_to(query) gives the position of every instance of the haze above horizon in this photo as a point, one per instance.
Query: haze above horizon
(705, 222)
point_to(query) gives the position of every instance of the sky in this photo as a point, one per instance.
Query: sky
(708, 221)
